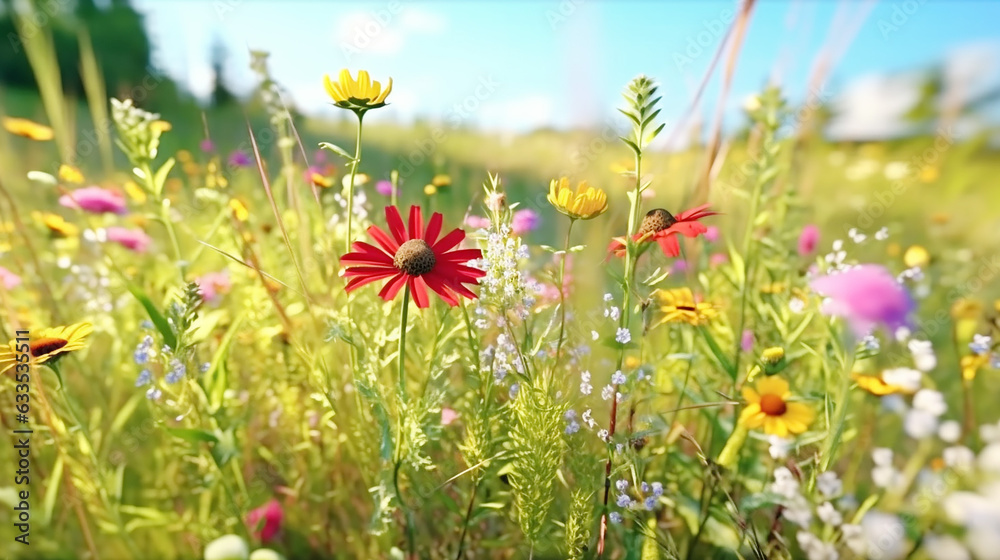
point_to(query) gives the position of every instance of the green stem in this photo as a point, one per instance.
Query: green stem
(151, 185)
(350, 188)
(402, 343)
(562, 295)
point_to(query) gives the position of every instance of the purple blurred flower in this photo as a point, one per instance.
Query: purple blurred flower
(524, 221)
(212, 285)
(239, 158)
(95, 200)
(680, 266)
(384, 187)
(808, 240)
(867, 296)
(207, 146)
(747, 340)
(132, 239)
(477, 222)
(9, 279)
(319, 157)
(712, 234)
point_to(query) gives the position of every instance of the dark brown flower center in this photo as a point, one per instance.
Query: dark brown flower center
(415, 257)
(44, 346)
(772, 405)
(656, 220)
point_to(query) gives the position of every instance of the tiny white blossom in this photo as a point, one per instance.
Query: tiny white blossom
(930, 401)
(618, 378)
(607, 392)
(829, 484)
(944, 547)
(959, 457)
(980, 344)
(882, 234)
(950, 431)
(829, 514)
(779, 447)
(907, 378)
(920, 424)
(623, 336)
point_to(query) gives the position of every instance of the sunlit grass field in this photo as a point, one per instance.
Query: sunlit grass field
(227, 397)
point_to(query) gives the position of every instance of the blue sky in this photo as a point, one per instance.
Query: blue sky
(521, 64)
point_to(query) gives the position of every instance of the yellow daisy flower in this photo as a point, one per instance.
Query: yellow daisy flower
(679, 306)
(240, 211)
(877, 386)
(27, 129)
(768, 408)
(47, 345)
(357, 95)
(70, 174)
(916, 256)
(441, 180)
(320, 181)
(584, 203)
(56, 224)
(430, 190)
(971, 365)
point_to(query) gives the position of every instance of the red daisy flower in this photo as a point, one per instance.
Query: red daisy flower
(661, 226)
(414, 257)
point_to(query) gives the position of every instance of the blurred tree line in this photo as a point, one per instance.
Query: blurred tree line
(121, 46)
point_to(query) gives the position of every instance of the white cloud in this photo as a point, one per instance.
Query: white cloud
(873, 107)
(519, 114)
(384, 31)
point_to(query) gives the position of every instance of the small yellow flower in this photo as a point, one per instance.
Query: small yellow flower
(916, 256)
(46, 345)
(70, 174)
(27, 129)
(358, 96)
(135, 192)
(877, 386)
(160, 126)
(240, 211)
(772, 355)
(56, 224)
(441, 180)
(768, 407)
(430, 190)
(929, 174)
(773, 288)
(971, 365)
(320, 181)
(183, 156)
(679, 306)
(632, 362)
(940, 218)
(584, 203)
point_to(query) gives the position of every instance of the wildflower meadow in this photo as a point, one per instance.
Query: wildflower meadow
(256, 335)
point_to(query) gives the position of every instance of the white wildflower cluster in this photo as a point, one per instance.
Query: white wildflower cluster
(502, 357)
(360, 209)
(924, 358)
(835, 258)
(981, 344)
(505, 287)
(922, 419)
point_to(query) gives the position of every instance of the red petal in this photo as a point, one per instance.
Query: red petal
(696, 213)
(359, 281)
(433, 228)
(669, 244)
(438, 284)
(366, 254)
(462, 255)
(395, 223)
(617, 246)
(688, 229)
(449, 241)
(383, 239)
(416, 223)
(366, 270)
(392, 287)
(418, 291)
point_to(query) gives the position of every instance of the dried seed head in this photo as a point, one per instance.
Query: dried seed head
(415, 257)
(655, 221)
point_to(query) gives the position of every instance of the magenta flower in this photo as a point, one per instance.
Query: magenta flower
(239, 158)
(9, 279)
(808, 240)
(524, 221)
(712, 234)
(477, 222)
(95, 200)
(132, 239)
(207, 146)
(448, 415)
(384, 187)
(265, 521)
(680, 266)
(747, 340)
(213, 285)
(867, 296)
